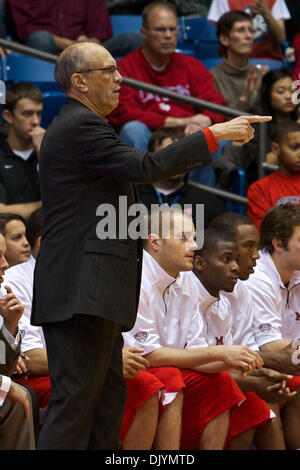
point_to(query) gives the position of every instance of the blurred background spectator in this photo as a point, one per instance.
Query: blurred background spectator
(268, 21)
(157, 63)
(235, 77)
(53, 25)
(21, 136)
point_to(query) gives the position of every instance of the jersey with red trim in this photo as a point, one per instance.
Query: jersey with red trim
(216, 315)
(276, 307)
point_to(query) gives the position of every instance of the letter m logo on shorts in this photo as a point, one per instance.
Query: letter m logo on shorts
(219, 340)
(297, 316)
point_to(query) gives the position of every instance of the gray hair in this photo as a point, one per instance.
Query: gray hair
(72, 60)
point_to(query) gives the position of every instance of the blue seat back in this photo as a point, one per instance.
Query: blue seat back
(126, 24)
(238, 186)
(16, 68)
(200, 34)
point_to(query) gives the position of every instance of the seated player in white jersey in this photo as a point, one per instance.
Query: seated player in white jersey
(216, 268)
(169, 330)
(241, 305)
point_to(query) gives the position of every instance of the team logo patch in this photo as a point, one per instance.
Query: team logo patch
(164, 106)
(141, 336)
(219, 340)
(297, 316)
(265, 328)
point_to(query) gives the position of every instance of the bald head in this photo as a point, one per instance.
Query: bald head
(77, 57)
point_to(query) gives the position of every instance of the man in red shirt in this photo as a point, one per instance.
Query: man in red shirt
(53, 25)
(282, 186)
(141, 112)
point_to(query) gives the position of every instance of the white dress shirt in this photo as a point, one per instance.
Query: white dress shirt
(241, 307)
(168, 315)
(276, 308)
(20, 279)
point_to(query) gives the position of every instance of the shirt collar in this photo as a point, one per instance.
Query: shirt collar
(205, 298)
(266, 263)
(156, 274)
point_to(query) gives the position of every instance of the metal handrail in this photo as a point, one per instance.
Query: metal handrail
(195, 102)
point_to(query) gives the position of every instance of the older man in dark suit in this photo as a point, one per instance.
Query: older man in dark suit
(87, 287)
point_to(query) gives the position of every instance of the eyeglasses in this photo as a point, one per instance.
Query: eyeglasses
(111, 70)
(173, 30)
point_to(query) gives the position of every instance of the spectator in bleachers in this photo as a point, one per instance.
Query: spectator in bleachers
(20, 279)
(177, 190)
(268, 22)
(13, 228)
(16, 425)
(19, 149)
(282, 186)
(157, 63)
(237, 80)
(276, 101)
(53, 25)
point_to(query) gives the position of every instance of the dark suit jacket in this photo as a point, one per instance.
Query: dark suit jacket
(84, 164)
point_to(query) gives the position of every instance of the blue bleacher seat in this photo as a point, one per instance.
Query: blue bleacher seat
(238, 186)
(126, 24)
(17, 67)
(211, 62)
(200, 35)
(272, 64)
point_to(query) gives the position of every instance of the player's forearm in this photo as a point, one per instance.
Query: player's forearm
(286, 361)
(62, 43)
(24, 209)
(183, 358)
(276, 27)
(38, 362)
(276, 345)
(175, 122)
(212, 368)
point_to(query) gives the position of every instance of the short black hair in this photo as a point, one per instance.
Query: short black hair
(211, 237)
(8, 217)
(163, 133)
(279, 223)
(230, 221)
(34, 227)
(280, 130)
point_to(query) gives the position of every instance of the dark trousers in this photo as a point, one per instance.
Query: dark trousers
(88, 392)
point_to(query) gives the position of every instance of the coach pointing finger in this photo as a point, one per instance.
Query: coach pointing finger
(86, 289)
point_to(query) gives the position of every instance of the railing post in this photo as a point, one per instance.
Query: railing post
(262, 149)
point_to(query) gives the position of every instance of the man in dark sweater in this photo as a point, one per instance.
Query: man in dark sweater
(177, 190)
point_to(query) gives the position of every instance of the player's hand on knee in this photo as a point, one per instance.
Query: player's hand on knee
(17, 394)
